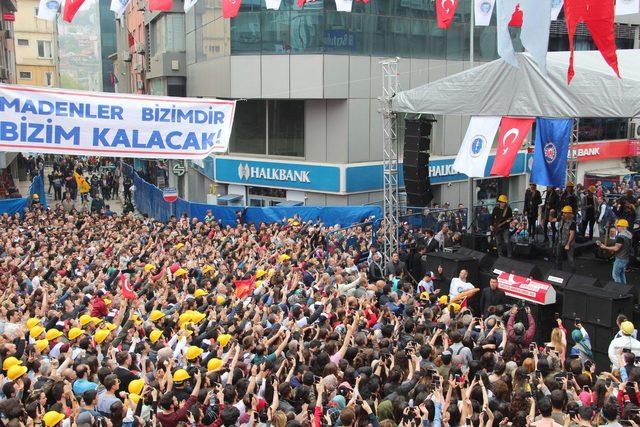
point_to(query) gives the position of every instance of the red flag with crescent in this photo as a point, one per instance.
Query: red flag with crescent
(245, 287)
(445, 11)
(127, 289)
(512, 132)
(230, 8)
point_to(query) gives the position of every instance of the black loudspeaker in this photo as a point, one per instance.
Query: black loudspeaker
(595, 305)
(601, 358)
(585, 281)
(451, 264)
(523, 249)
(485, 261)
(558, 279)
(417, 142)
(509, 265)
(620, 289)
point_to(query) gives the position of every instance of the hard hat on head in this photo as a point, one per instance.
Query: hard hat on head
(9, 362)
(16, 371)
(136, 386)
(592, 189)
(627, 327)
(101, 335)
(567, 209)
(155, 335)
(193, 352)
(200, 293)
(53, 334)
(214, 364)
(181, 375)
(85, 319)
(622, 223)
(569, 184)
(503, 199)
(156, 315)
(75, 333)
(33, 322)
(52, 418)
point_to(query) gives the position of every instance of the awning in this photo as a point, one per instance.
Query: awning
(290, 203)
(229, 198)
(609, 172)
(498, 89)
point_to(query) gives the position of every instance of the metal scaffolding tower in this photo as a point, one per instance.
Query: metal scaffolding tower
(572, 159)
(390, 156)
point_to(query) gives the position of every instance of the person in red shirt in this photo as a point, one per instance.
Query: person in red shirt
(171, 414)
(98, 306)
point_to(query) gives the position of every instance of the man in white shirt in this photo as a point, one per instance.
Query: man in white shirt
(625, 341)
(460, 288)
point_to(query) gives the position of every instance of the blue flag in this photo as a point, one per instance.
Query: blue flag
(551, 151)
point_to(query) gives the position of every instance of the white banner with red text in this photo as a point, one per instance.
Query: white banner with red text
(526, 289)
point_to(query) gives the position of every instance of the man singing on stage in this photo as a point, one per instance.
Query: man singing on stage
(566, 239)
(532, 199)
(500, 219)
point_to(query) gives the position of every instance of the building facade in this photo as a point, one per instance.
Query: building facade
(307, 127)
(8, 9)
(34, 46)
(85, 47)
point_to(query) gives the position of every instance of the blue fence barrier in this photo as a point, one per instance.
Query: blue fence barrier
(13, 206)
(148, 200)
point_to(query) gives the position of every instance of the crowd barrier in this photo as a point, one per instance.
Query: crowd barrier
(148, 200)
(13, 206)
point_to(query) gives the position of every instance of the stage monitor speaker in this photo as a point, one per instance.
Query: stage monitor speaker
(585, 281)
(620, 289)
(509, 265)
(558, 278)
(485, 261)
(545, 317)
(451, 264)
(417, 142)
(595, 305)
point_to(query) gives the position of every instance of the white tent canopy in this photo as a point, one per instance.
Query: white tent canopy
(498, 89)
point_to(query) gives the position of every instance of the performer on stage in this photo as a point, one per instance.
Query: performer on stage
(589, 215)
(500, 219)
(532, 199)
(551, 202)
(566, 239)
(622, 249)
(568, 198)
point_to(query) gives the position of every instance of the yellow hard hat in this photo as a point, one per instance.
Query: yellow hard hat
(96, 320)
(33, 322)
(224, 339)
(136, 319)
(149, 267)
(179, 246)
(284, 257)
(197, 317)
(454, 308)
(36, 331)
(9, 362)
(592, 189)
(260, 273)
(444, 299)
(41, 345)
(135, 398)
(567, 209)
(53, 334)
(207, 268)
(52, 418)
(75, 333)
(36, 196)
(200, 293)
(627, 327)
(156, 315)
(85, 319)
(185, 317)
(101, 335)
(155, 335)
(214, 364)
(16, 371)
(503, 198)
(220, 299)
(622, 223)
(193, 352)
(110, 326)
(136, 386)
(180, 272)
(181, 375)
(107, 301)
(424, 296)
(569, 184)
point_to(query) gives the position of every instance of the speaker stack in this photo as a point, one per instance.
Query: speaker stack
(451, 264)
(597, 308)
(417, 143)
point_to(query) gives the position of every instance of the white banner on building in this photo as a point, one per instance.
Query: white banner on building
(118, 7)
(474, 151)
(627, 7)
(344, 5)
(483, 11)
(188, 4)
(273, 4)
(59, 121)
(48, 9)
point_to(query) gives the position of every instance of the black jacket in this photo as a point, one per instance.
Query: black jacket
(531, 202)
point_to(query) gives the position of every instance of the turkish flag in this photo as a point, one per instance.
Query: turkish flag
(516, 18)
(245, 287)
(127, 289)
(598, 16)
(445, 11)
(510, 137)
(230, 8)
(162, 5)
(70, 9)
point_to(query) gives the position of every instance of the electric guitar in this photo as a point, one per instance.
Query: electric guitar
(602, 253)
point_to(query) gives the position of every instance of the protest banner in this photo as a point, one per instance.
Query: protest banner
(60, 121)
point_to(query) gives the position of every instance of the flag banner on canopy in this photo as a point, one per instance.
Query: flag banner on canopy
(118, 7)
(504, 13)
(483, 11)
(273, 4)
(513, 131)
(344, 5)
(474, 151)
(445, 11)
(160, 5)
(48, 9)
(599, 17)
(61, 121)
(551, 150)
(70, 9)
(556, 7)
(627, 7)
(230, 8)
(188, 5)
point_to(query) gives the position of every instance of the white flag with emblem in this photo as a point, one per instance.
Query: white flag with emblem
(48, 9)
(188, 4)
(627, 7)
(474, 151)
(118, 7)
(273, 4)
(483, 11)
(344, 5)
(556, 7)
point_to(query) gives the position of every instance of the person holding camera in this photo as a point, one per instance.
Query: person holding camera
(517, 335)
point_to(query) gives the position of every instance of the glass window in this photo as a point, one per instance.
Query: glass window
(211, 40)
(361, 36)
(286, 128)
(48, 77)
(191, 47)
(485, 46)
(437, 41)
(25, 75)
(275, 32)
(44, 49)
(418, 38)
(457, 41)
(307, 31)
(249, 128)
(596, 129)
(245, 33)
(338, 36)
(379, 27)
(23, 42)
(400, 36)
(175, 41)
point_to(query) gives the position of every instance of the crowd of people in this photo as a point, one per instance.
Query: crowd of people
(120, 320)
